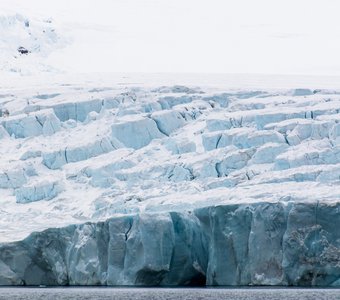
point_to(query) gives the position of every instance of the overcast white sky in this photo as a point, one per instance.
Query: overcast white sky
(214, 36)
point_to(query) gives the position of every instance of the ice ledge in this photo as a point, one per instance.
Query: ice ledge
(282, 243)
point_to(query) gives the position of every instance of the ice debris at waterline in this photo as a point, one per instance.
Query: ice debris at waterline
(114, 185)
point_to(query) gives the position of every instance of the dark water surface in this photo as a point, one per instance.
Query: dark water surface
(168, 293)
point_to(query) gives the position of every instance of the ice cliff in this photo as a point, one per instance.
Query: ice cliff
(257, 244)
(169, 185)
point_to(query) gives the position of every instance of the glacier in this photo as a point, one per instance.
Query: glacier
(109, 183)
(258, 244)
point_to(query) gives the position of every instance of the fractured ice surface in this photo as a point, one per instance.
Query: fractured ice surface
(135, 132)
(40, 191)
(33, 124)
(56, 159)
(169, 186)
(168, 121)
(12, 178)
(3, 133)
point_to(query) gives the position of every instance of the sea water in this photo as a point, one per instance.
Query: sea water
(169, 293)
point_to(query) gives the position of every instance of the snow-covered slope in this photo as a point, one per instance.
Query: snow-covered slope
(26, 42)
(186, 36)
(142, 158)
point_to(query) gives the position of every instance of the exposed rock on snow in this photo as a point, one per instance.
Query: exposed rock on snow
(23, 50)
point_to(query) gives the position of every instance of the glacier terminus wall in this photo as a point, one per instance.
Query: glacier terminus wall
(169, 185)
(261, 244)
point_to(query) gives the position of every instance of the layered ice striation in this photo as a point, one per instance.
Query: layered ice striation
(257, 244)
(169, 186)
